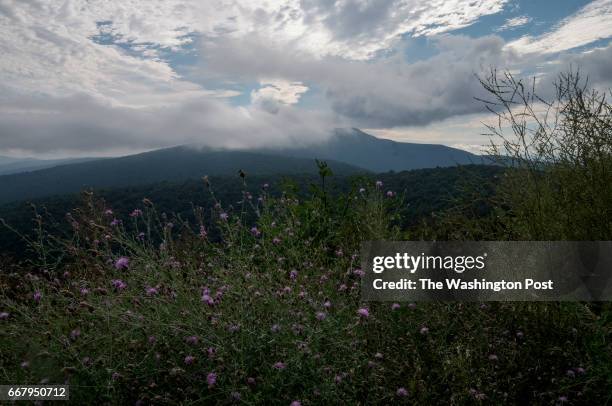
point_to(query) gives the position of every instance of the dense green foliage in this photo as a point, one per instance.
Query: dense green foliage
(274, 313)
(426, 193)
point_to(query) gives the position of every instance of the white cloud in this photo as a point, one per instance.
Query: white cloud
(514, 22)
(589, 24)
(277, 91)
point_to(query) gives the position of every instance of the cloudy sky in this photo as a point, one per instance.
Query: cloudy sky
(108, 77)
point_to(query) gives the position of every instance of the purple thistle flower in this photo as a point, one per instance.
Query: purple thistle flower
(363, 312)
(251, 381)
(115, 223)
(361, 190)
(37, 296)
(189, 359)
(293, 275)
(580, 370)
(151, 291)
(211, 352)
(279, 365)
(255, 232)
(207, 299)
(295, 403)
(118, 284)
(211, 379)
(275, 328)
(122, 263)
(191, 340)
(424, 330)
(223, 216)
(320, 316)
(390, 193)
(25, 364)
(141, 236)
(108, 212)
(276, 241)
(4, 315)
(379, 184)
(358, 272)
(136, 213)
(203, 232)
(563, 399)
(401, 392)
(395, 306)
(152, 339)
(493, 357)
(327, 304)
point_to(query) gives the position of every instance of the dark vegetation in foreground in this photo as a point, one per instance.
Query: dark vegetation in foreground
(138, 306)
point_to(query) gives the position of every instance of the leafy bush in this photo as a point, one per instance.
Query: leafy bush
(150, 309)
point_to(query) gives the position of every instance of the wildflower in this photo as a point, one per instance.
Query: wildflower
(223, 216)
(493, 357)
(151, 291)
(361, 190)
(141, 236)
(189, 359)
(338, 379)
(37, 296)
(378, 356)
(236, 396)
(424, 330)
(563, 399)
(276, 241)
(211, 352)
(395, 306)
(191, 340)
(203, 232)
(265, 186)
(339, 252)
(327, 304)
(320, 316)
(519, 334)
(255, 232)
(293, 275)
(279, 365)
(74, 334)
(379, 184)
(295, 403)
(122, 263)
(136, 213)
(580, 370)
(390, 193)
(4, 315)
(116, 376)
(25, 364)
(115, 223)
(211, 379)
(401, 392)
(342, 287)
(363, 312)
(108, 212)
(570, 373)
(118, 284)
(275, 328)
(251, 381)
(152, 339)
(232, 328)
(358, 272)
(412, 306)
